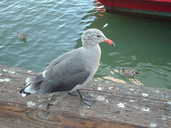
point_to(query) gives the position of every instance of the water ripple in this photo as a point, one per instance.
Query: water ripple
(52, 28)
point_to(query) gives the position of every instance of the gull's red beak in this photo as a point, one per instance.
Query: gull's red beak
(109, 42)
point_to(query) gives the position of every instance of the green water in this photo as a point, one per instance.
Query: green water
(54, 27)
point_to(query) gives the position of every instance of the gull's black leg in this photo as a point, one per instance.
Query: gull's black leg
(73, 93)
(87, 99)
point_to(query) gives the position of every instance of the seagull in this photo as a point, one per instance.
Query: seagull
(127, 73)
(21, 36)
(71, 70)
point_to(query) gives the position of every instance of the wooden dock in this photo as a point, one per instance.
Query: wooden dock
(118, 105)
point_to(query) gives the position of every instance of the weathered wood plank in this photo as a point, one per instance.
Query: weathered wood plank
(118, 105)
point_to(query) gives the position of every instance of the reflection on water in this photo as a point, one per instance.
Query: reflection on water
(114, 79)
(55, 27)
(142, 45)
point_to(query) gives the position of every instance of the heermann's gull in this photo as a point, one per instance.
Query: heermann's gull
(21, 36)
(71, 70)
(127, 73)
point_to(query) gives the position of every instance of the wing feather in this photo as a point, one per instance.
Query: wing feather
(64, 75)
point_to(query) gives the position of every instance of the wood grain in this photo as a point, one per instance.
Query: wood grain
(117, 105)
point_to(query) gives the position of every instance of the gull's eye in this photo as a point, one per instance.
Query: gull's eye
(98, 36)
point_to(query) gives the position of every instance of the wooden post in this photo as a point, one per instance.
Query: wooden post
(117, 105)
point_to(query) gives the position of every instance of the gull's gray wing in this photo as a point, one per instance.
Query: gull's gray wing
(65, 74)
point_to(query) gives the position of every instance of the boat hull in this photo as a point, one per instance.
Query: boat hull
(143, 8)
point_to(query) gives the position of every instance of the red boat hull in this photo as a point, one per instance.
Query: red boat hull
(147, 8)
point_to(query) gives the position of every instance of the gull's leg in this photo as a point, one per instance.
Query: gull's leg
(73, 93)
(87, 99)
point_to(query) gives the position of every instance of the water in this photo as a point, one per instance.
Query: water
(54, 27)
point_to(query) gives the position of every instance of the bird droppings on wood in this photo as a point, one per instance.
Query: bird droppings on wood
(157, 91)
(107, 101)
(131, 89)
(144, 94)
(107, 81)
(4, 70)
(100, 98)
(4, 80)
(11, 72)
(95, 80)
(29, 71)
(99, 88)
(121, 105)
(131, 101)
(64, 110)
(153, 125)
(10, 104)
(145, 109)
(31, 104)
(164, 117)
(135, 107)
(113, 88)
(169, 102)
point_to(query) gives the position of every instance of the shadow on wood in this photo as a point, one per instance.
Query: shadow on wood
(118, 105)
